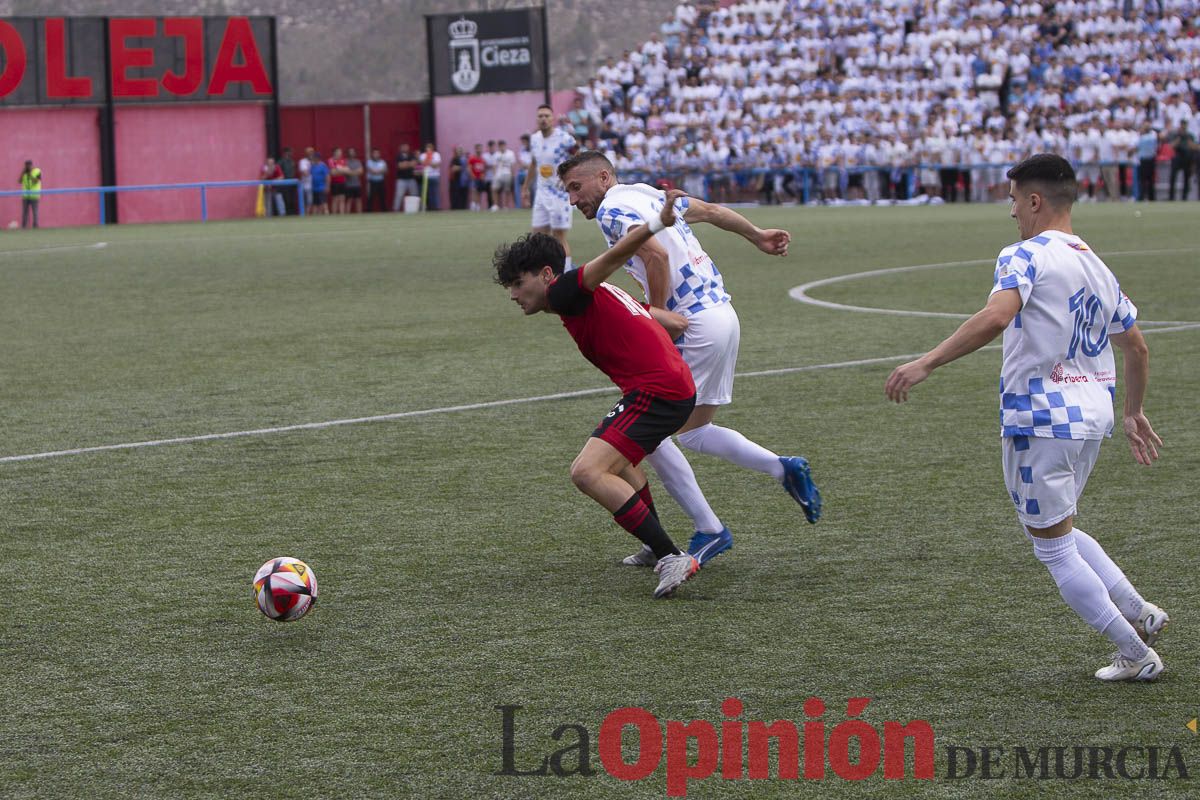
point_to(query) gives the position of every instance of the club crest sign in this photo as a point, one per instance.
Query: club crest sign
(464, 55)
(496, 51)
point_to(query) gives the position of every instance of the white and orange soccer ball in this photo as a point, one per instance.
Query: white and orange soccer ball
(285, 589)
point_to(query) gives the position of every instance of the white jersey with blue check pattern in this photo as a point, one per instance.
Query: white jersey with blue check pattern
(547, 153)
(1058, 376)
(696, 284)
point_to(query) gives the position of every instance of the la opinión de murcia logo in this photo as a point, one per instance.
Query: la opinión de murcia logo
(469, 55)
(633, 744)
(733, 749)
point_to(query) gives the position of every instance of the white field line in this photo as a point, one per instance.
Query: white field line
(800, 292)
(312, 426)
(55, 249)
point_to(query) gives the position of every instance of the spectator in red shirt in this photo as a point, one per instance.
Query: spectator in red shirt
(477, 166)
(337, 181)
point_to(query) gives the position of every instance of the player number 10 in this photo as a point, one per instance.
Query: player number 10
(1085, 308)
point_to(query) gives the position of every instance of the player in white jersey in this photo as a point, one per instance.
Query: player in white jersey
(1060, 309)
(678, 276)
(549, 146)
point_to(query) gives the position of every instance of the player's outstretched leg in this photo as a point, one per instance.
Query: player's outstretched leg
(791, 471)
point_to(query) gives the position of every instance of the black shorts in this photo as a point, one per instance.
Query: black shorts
(318, 197)
(338, 190)
(639, 422)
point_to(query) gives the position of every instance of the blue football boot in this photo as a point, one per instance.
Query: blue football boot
(797, 479)
(707, 546)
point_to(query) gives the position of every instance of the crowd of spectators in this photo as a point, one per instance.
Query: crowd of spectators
(847, 99)
(344, 184)
(485, 179)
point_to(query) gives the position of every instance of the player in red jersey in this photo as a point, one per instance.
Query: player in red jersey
(618, 335)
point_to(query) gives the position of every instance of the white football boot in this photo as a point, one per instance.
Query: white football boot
(1151, 623)
(642, 558)
(1127, 669)
(672, 571)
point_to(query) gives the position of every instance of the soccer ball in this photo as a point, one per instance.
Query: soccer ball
(285, 589)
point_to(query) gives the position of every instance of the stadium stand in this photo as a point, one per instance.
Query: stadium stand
(897, 100)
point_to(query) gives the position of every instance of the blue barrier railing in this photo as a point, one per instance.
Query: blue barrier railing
(203, 187)
(805, 181)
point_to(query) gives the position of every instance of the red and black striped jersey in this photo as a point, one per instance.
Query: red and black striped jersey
(618, 335)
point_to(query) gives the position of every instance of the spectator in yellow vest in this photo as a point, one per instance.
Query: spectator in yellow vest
(31, 184)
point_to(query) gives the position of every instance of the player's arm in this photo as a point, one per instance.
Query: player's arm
(658, 272)
(674, 323)
(771, 240)
(987, 323)
(599, 269)
(527, 185)
(1142, 438)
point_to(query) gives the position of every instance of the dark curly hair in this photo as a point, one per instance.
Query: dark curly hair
(528, 254)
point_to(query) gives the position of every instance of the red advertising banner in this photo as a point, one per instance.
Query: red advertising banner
(79, 60)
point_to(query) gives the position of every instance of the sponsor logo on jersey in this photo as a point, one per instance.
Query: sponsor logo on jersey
(1058, 375)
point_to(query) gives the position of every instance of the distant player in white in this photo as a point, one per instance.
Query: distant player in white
(1060, 307)
(549, 146)
(679, 277)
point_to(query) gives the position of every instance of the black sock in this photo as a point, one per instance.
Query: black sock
(644, 493)
(636, 518)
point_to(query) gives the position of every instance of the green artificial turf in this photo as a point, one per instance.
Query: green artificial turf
(459, 568)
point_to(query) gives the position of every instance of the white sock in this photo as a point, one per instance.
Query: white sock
(567, 265)
(1119, 588)
(1123, 635)
(680, 482)
(1084, 592)
(732, 446)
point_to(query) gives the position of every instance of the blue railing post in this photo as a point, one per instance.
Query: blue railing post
(100, 195)
(203, 203)
(299, 200)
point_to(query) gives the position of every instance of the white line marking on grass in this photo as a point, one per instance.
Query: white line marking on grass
(55, 249)
(800, 292)
(313, 426)
(308, 426)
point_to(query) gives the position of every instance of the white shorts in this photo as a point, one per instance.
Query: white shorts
(551, 211)
(710, 348)
(1045, 477)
